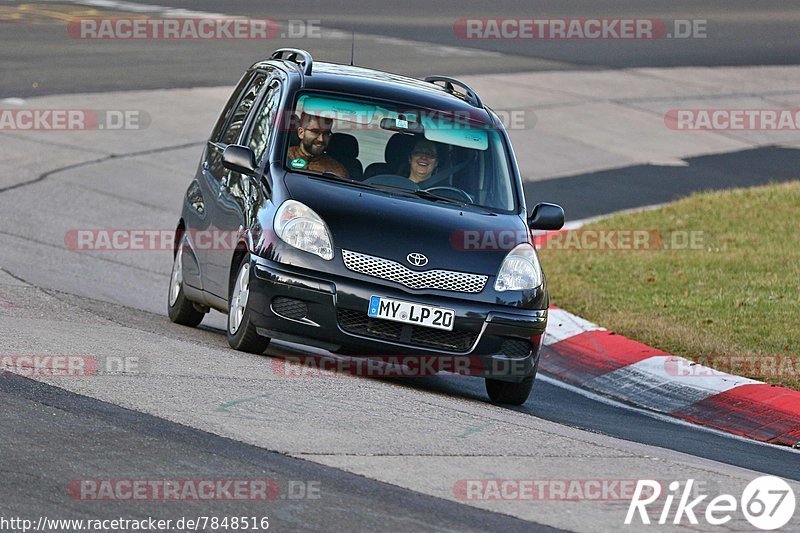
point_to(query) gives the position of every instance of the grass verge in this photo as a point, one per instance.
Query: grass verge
(714, 277)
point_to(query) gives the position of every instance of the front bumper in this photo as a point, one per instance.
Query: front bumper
(330, 312)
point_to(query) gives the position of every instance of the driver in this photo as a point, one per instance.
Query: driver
(315, 134)
(423, 159)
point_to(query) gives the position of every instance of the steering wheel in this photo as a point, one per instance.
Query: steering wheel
(459, 195)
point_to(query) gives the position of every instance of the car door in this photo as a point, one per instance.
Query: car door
(225, 210)
(257, 136)
(240, 194)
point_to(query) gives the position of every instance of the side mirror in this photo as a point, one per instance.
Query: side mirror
(239, 159)
(546, 216)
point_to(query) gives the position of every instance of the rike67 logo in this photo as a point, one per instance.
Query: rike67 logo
(768, 503)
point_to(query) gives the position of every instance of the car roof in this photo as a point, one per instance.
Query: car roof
(377, 84)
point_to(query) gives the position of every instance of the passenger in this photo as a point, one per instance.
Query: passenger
(423, 159)
(315, 134)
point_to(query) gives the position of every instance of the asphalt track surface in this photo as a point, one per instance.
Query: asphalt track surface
(644, 185)
(39, 58)
(58, 435)
(48, 435)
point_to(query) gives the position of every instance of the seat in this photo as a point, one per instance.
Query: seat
(344, 148)
(395, 156)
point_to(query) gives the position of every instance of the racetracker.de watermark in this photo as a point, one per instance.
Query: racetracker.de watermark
(733, 119)
(401, 366)
(415, 120)
(579, 28)
(73, 119)
(67, 365)
(590, 240)
(193, 29)
(755, 366)
(148, 239)
(555, 490)
(622, 239)
(122, 490)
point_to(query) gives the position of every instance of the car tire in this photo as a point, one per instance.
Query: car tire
(180, 309)
(509, 392)
(242, 334)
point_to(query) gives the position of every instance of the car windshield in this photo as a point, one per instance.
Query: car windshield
(440, 157)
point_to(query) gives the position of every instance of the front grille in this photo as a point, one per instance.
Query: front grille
(446, 280)
(360, 324)
(458, 341)
(290, 307)
(515, 348)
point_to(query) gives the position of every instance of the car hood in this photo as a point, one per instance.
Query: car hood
(393, 226)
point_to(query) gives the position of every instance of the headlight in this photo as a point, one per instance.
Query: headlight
(520, 270)
(297, 225)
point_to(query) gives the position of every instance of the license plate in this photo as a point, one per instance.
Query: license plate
(411, 313)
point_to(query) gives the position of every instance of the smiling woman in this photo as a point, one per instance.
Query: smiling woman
(424, 159)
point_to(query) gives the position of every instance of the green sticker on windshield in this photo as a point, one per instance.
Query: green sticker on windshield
(298, 163)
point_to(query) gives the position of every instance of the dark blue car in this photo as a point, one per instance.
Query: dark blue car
(365, 213)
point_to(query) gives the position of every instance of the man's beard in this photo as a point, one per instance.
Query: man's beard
(312, 148)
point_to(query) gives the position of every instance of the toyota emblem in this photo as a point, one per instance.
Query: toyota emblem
(417, 259)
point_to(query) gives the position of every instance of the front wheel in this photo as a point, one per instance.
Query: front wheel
(242, 333)
(179, 308)
(508, 392)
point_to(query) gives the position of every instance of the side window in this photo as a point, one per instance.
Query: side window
(239, 115)
(230, 105)
(264, 120)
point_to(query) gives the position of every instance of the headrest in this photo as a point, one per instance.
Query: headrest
(344, 145)
(398, 148)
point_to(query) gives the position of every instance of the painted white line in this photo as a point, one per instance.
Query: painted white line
(577, 224)
(12, 101)
(655, 415)
(562, 325)
(652, 383)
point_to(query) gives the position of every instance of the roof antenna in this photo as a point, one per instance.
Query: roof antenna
(353, 49)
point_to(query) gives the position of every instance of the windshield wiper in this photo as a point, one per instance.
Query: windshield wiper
(337, 177)
(422, 193)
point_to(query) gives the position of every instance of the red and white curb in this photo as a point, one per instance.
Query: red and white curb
(589, 356)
